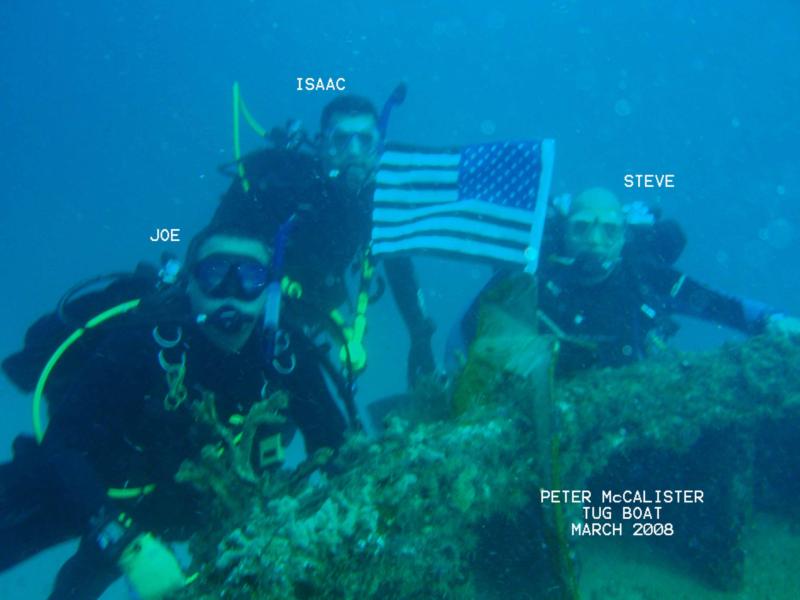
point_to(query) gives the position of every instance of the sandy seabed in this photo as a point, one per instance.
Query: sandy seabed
(628, 569)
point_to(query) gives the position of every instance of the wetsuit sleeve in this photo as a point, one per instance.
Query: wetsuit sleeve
(89, 423)
(312, 406)
(403, 283)
(686, 296)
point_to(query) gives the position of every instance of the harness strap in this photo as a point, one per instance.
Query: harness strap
(175, 372)
(353, 349)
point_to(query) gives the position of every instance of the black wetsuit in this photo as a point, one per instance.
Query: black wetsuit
(616, 321)
(613, 323)
(112, 430)
(623, 317)
(330, 232)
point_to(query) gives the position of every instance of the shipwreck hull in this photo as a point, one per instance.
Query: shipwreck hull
(427, 510)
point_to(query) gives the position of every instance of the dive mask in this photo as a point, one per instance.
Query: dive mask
(231, 276)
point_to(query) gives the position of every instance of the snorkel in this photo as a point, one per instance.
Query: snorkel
(272, 309)
(396, 98)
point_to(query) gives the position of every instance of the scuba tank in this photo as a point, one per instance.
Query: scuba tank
(59, 343)
(292, 136)
(75, 308)
(661, 243)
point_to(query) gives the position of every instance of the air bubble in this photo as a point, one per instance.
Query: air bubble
(622, 107)
(780, 234)
(488, 127)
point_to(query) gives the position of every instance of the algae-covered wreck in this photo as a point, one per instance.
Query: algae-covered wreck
(451, 508)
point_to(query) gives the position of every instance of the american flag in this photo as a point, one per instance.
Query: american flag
(485, 201)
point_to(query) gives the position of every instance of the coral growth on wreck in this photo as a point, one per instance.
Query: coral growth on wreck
(401, 516)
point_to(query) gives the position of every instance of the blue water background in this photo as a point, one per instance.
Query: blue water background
(114, 116)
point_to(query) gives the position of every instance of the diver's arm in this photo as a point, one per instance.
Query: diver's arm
(67, 445)
(311, 404)
(90, 422)
(91, 419)
(403, 282)
(689, 297)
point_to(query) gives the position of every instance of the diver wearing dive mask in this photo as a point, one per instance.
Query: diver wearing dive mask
(226, 288)
(350, 147)
(331, 194)
(594, 235)
(222, 275)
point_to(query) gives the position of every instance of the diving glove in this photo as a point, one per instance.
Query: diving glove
(151, 568)
(780, 324)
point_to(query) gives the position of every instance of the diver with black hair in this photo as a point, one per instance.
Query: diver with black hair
(607, 288)
(104, 470)
(328, 194)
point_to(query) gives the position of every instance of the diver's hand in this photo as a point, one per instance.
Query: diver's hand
(151, 568)
(783, 325)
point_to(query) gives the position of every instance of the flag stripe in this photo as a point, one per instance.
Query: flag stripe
(414, 196)
(418, 159)
(416, 177)
(480, 209)
(444, 235)
(486, 200)
(450, 245)
(415, 149)
(454, 225)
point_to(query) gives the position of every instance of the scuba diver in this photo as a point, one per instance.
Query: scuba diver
(607, 288)
(125, 419)
(327, 195)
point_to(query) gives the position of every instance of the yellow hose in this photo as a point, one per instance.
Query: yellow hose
(240, 109)
(38, 394)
